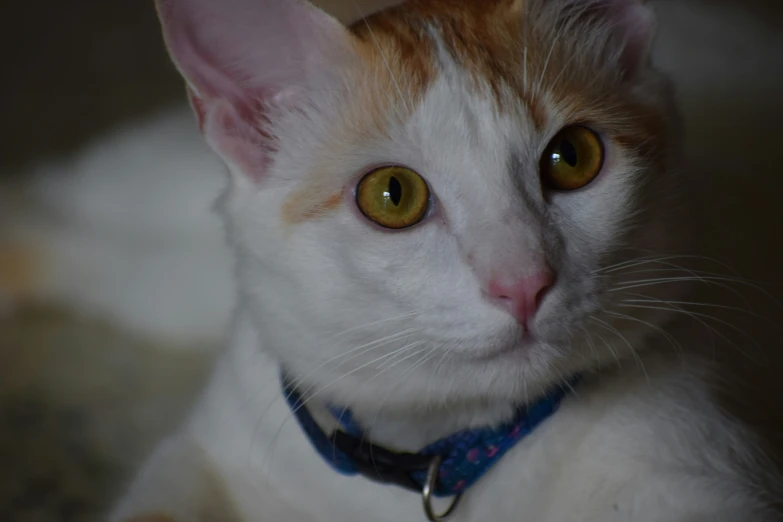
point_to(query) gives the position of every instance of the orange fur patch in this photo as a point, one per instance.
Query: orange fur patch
(485, 37)
(302, 207)
(523, 61)
(396, 55)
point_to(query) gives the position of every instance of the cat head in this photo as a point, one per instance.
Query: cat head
(439, 203)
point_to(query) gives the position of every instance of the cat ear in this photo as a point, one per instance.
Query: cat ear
(240, 56)
(633, 28)
(628, 26)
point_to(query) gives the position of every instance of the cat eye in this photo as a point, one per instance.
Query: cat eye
(572, 159)
(393, 197)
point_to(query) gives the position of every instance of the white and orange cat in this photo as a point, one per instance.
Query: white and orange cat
(436, 218)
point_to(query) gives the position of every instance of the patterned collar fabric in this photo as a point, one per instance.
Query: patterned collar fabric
(466, 455)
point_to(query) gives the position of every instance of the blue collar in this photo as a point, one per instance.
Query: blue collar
(465, 456)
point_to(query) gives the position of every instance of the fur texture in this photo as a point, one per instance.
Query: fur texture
(397, 325)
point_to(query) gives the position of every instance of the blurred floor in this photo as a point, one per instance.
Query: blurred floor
(79, 402)
(79, 407)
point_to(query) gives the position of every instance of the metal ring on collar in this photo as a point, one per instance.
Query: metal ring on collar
(429, 487)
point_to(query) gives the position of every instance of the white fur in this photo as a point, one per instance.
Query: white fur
(642, 443)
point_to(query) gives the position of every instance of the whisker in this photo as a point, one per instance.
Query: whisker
(381, 321)
(428, 352)
(611, 350)
(675, 344)
(663, 280)
(357, 352)
(391, 362)
(343, 376)
(621, 336)
(696, 316)
(660, 258)
(733, 291)
(647, 299)
(699, 258)
(589, 341)
(403, 351)
(698, 273)
(630, 263)
(417, 352)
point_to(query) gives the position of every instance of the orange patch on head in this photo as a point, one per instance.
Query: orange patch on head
(524, 60)
(301, 206)
(507, 50)
(394, 68)
(485, 37)
(396, 54)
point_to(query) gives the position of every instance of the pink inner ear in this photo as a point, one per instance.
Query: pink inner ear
(241, 142)
(239, 55)
(205, 62)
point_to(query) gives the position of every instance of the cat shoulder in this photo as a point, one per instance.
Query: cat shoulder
(660, 429)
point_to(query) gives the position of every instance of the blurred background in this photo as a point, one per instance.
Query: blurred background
(81, 401)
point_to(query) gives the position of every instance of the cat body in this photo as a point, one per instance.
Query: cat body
(436, 216)
(491, 283)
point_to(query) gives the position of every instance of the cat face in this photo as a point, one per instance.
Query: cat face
(429, 207)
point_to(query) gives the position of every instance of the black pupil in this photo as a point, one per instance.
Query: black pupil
(568, 153)
(395, 191)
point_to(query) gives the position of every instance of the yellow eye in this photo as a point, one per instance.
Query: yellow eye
(572, 159)
(393, 197)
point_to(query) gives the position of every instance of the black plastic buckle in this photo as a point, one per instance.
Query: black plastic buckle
(382, 465)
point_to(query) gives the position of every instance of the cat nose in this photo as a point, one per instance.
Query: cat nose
(521, 298)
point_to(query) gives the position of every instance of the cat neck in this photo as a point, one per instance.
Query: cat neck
(411, 431)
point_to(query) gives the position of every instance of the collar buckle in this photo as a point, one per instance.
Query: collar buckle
(389, 467)
(381, 465)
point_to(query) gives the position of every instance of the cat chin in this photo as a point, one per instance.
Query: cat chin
(505, 378)
(502, 365)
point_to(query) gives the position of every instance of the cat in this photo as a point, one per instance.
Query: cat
(436, 215)
(644, 441)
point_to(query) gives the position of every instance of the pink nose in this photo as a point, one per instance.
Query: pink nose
(521, 298)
